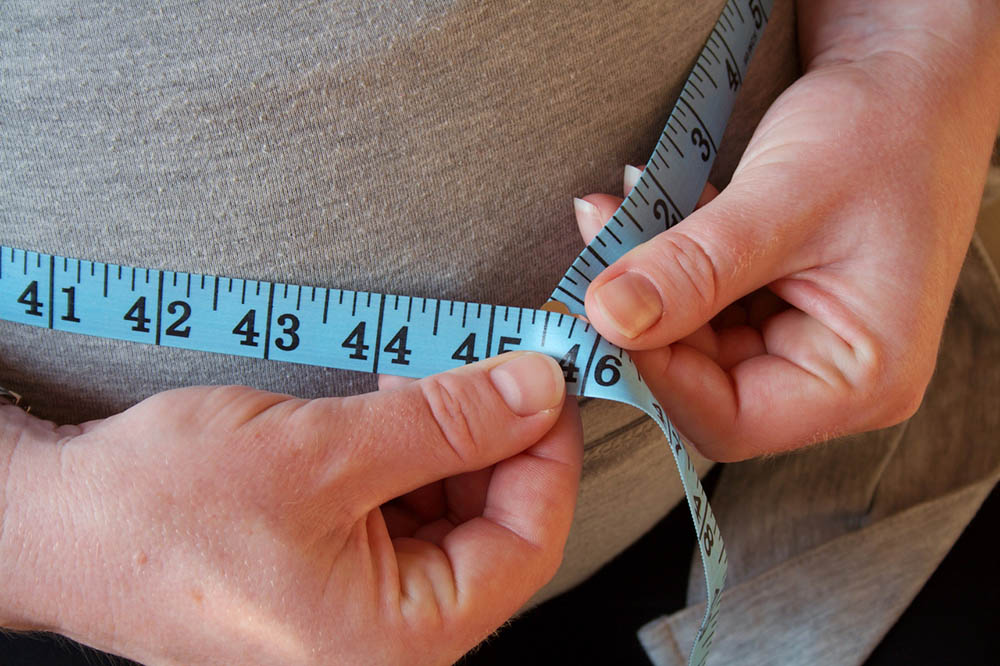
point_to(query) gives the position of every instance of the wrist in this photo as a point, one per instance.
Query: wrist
(932, 106)
(850, 30)
(26, 491)
(12, 434)
(937, 47)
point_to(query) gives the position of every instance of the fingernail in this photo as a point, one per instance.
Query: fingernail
(529, 383)
(630, 302)
(631, 178)
(588, 217)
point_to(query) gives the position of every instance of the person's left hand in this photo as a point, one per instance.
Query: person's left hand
(807, 299)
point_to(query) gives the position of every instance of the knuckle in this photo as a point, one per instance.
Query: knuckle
(551, 561)
(870, 381)
(893, 389)
(730, 444)
(901, 402)
(909, 404)
(225, 408)
(688, 268)
(448, 402)
(301, 426)
(427, 598)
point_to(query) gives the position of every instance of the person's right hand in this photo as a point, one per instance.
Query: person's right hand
(222, 525)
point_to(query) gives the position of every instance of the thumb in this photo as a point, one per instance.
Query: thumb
(666, 288)
(394, 441)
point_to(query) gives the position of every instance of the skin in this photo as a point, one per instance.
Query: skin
(227, 525)
(807, 299)
(266, 529)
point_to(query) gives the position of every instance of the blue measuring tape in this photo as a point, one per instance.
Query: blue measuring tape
(415, 337)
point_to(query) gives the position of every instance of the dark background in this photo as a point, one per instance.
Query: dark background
(955, 618)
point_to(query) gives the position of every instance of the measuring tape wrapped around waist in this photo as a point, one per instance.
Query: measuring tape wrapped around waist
(415, 337)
